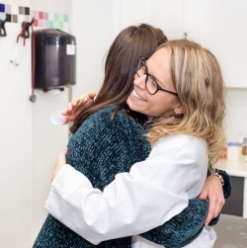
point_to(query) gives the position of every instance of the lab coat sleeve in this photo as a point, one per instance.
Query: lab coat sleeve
(135, 202)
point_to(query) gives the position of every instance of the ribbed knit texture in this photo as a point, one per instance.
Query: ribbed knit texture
(100, 149)
(227, 188)
(182, 229)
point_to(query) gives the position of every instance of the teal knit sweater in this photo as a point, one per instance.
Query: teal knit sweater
(101, 148)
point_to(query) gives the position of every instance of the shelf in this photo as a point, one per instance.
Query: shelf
(233, 168)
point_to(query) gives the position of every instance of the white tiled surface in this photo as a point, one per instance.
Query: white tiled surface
(234, 168)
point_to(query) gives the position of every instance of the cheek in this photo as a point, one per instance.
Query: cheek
(159, 108)
(133, 105)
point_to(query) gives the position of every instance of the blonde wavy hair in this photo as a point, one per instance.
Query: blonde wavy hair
(198, 80)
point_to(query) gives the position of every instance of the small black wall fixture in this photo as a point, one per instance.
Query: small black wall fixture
(26, 26)
(2, 25)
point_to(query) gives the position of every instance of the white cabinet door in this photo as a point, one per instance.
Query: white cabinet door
(165, 14)
(221, 26)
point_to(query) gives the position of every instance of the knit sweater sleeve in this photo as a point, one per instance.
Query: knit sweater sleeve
(227, 187)
(105, 145)
(101, 148)
(183, 228)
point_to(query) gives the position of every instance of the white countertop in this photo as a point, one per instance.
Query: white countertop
(233, 168)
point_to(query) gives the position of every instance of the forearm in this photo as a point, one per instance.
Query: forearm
(98, 216)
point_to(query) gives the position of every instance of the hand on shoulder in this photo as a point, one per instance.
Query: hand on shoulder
(76, 105)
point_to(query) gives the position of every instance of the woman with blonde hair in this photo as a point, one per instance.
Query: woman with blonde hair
(181, 90)
(196, 76)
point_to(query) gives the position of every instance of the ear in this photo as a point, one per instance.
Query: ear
(178, 109)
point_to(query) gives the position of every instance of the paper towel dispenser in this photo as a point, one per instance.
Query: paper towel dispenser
(54, 59)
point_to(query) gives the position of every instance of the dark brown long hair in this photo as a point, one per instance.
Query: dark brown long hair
(120, 65)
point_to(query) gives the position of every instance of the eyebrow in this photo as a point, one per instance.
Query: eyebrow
(154, 76)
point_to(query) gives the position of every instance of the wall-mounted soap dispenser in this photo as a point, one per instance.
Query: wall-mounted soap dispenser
(54, 58)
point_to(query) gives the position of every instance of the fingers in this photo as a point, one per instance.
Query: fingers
(65, 150)
(75, 102)
(203, 195)
(70, 113)
(62, 156)
(213, 191)
(214, 209)
(86, 97)
(68, 109)
(211, 210)
(208, 219)
(91, 94)
(67, 113)
(78, 101)
(74, 107)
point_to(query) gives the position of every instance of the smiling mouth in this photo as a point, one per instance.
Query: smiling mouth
(137, 96)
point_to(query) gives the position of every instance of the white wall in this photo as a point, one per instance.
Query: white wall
(92, 24)
(114, 15)
(236, 117)
(29, 142)
(47, 139)
(96, 24)
(15, 143)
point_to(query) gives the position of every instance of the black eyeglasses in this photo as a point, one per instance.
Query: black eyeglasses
(151, 84)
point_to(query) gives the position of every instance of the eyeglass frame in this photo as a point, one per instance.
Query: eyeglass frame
(158, 87)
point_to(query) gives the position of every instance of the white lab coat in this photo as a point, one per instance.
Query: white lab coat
(154, 191)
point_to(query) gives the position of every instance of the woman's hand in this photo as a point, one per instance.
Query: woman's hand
(61, 161)
(76, 105)
(214, 192)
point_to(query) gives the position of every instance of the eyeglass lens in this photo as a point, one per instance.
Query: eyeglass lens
(150, 83)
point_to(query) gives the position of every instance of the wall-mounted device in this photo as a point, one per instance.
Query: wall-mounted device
(54, 58)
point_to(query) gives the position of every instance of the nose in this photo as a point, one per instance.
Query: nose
(139, 81)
